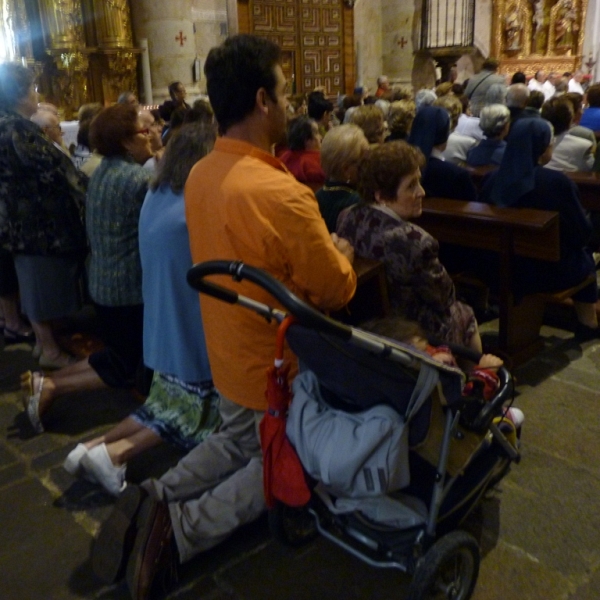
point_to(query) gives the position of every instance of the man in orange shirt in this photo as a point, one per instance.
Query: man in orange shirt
(241, 204)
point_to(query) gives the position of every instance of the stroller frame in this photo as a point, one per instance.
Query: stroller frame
(369, 547)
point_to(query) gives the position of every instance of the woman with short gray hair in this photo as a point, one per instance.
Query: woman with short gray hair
(494, 121)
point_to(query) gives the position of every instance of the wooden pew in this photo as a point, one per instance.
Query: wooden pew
(588, 184)
(589, 188)
(371, 299)
(510, 232)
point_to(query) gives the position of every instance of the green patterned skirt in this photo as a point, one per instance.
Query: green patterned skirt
(181, 413)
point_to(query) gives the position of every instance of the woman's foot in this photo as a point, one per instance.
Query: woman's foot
(32, 385)
(72, 464)
(60, 360)
(97, 463)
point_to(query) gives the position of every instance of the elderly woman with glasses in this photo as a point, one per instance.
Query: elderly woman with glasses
(115, 196)
(42, 199)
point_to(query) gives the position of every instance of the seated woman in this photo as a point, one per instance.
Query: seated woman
(342, 150)
(458, 144)
(303, 156)
(371, 120)
(522, 182)
(379, 228)
(429, 133)
(494, 121)
(115, 195)
(182, 407)
(400, 119)
(570, 152)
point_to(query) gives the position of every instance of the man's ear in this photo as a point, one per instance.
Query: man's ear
(378, 197)
(261, 100)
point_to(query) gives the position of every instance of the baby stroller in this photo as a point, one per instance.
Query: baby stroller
(403, 456)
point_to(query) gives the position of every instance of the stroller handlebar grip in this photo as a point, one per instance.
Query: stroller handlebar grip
(306, 315)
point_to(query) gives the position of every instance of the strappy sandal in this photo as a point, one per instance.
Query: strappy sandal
(31, 399)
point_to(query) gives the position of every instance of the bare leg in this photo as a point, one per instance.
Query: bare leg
(123, 450)
(83, 378)
(9, 309)
(126, 428)
(586, 314)
(45, 338)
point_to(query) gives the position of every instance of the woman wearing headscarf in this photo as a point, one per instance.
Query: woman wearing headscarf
(430, 132)
(522, 182)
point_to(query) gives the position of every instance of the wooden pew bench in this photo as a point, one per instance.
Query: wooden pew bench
(510, 232)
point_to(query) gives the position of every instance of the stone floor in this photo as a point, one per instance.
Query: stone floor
(540, 530)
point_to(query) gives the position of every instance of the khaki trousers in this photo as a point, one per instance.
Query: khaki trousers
(218, 486)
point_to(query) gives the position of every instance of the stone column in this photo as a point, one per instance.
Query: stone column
(178, 32)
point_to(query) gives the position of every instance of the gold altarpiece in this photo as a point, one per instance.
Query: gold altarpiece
(536, 35)
(81, 50)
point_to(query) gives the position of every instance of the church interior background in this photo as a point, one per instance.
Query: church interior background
(91, 50)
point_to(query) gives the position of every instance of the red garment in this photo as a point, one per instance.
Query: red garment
(305, 166)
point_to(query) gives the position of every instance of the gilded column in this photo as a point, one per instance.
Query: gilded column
(63, 25)
(113, 23)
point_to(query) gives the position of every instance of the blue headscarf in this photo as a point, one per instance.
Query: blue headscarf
(526, 142)
(430, 128)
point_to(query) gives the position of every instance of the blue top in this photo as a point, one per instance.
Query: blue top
(173, 334)
(487, 152)
(115, 195)
(591, 118)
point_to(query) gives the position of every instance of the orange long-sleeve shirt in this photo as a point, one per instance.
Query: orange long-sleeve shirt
(243, 204)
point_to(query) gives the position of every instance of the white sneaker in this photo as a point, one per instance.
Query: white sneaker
(72, 464)
(96, 463)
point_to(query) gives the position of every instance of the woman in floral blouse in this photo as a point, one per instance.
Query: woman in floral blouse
(42, 198)
(379, 228)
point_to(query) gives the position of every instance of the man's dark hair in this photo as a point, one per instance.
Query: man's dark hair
(318, 105)
(518, 77)
(536, 99)
(235, 71)
(593, 95)
(173, 88)
(300, 132)
(559, 112)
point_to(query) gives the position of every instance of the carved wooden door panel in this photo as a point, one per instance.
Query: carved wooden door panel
(309, 31)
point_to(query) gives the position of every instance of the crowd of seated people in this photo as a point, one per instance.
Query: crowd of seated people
(120, 205)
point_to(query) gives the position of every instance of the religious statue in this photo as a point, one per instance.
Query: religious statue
(566, 26)
(512, 29)
(538, 22)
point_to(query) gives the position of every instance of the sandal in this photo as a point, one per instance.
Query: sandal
(31, 399)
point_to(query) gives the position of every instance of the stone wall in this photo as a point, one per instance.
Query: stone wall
(178, 32)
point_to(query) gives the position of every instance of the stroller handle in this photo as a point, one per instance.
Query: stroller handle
(304, 314)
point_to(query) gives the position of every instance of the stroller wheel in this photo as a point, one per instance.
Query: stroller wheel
(448, 571)
(292, 526)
